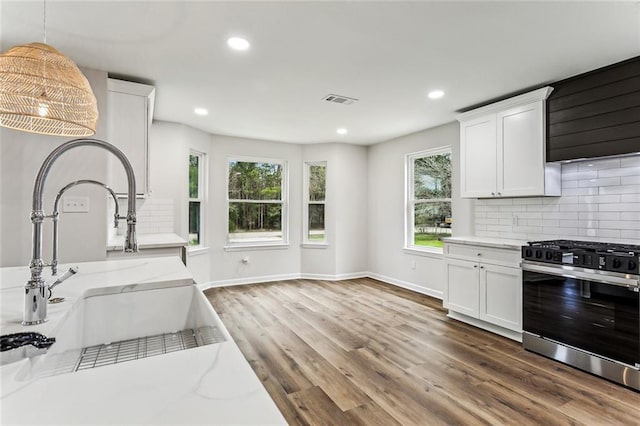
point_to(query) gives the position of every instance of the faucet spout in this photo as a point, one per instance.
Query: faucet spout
(35, 306)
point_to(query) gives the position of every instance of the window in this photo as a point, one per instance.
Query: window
(428, 199)
(314, 206)
(196, 197)
(257, 202)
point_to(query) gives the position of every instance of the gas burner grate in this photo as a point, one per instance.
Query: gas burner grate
(144, 347)
(594, 246)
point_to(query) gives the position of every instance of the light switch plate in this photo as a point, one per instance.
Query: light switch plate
(75, 204)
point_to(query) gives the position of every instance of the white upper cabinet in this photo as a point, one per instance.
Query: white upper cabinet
(503, 152)
(130, 111)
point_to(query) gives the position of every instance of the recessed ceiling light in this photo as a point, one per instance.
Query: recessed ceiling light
(435, 94)
(201, 111)
(341, 131)
(237, 43)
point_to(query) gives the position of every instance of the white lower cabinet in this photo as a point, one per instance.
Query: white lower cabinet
(501, 296)
(485, 287)
(462, 293)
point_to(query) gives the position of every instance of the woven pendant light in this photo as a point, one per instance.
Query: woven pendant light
(43, 91)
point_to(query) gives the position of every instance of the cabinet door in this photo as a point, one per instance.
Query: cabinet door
(128, 129)
(521, 155)
(501, 296)
(478, 157)
(462, 290)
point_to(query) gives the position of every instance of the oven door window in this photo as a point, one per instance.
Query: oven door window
(595, 317)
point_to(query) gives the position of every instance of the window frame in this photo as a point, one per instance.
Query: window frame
(410, 201)
(306, 202)
(284, 201)
(201, 198)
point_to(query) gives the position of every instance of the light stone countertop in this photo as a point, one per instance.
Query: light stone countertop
(148, 241)
(487, 242)
(210, 384)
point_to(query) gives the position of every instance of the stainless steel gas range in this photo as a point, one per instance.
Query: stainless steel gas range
(581, 306)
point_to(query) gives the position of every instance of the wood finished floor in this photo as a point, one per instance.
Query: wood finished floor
(363, 352)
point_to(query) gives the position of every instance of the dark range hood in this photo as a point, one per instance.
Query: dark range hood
(595, 114)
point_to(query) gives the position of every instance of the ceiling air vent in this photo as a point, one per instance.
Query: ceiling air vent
(344, 100)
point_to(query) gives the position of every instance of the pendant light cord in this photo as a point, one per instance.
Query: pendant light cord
(44, 20)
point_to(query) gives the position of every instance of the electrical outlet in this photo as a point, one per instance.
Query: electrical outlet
(75, 204)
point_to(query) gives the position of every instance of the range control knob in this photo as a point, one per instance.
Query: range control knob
(528, 253)
(617, 263)
(538, 254)
(632, 265)
(548, 255)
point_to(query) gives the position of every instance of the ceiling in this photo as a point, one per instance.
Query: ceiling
(386, 54)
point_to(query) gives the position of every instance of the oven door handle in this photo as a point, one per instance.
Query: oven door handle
(590, 275)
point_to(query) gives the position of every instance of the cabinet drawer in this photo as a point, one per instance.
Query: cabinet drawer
(504, 257)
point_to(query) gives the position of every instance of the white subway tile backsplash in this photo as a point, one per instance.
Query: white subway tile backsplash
(620, 224)
(608, 163)
(154, 215)
(579, 207)
(630, 215)
(580, 191)
(561, 215)
(513, 208)
(499, 228)
(529, 215)
(630, 180)
(599, 215)
(527, 201)
(600, 202)
(627, 171)
(597, 199)
(608, 181)
(630, 161)
(620, 207)
(622, 189)
(569, 199)
(591, 174)
(527, 229)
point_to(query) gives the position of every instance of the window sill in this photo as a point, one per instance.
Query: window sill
(436, 254)
(243, 247)
(197, 251)
(314, 245)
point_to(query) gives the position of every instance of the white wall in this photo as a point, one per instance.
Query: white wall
(345, 254)
(600, 201)
(82, 235)
(349, 183)
(264, 263)
(387, 259)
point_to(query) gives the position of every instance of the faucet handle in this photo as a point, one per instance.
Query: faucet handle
(71, 272)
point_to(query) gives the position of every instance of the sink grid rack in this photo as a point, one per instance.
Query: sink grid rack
(144, 347)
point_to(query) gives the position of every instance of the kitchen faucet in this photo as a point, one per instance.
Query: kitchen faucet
(55, 215)
(36, 291)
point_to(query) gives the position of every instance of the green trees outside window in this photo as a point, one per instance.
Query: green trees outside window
(255, 194)
(430, 198)
(195, 198)
(315, 202)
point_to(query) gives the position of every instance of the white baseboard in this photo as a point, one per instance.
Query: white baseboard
(247, 280)
(496, 329)
(409, 286)
(337, 277)
(325, 277)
